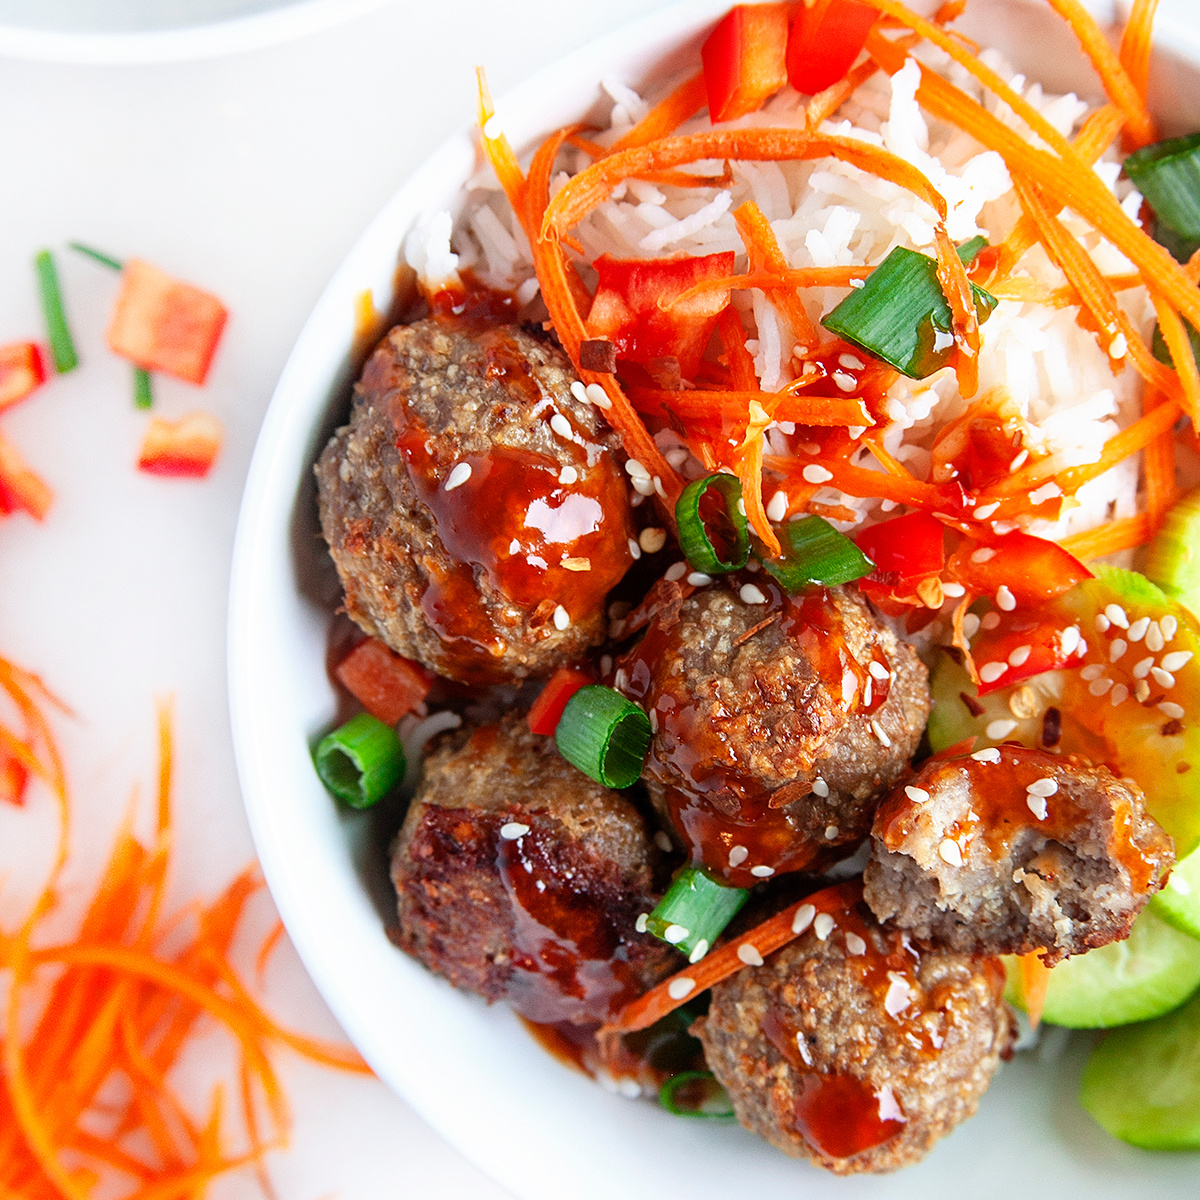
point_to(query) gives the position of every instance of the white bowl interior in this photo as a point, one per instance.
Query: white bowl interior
(539, 1128)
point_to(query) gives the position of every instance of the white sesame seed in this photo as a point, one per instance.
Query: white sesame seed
(561, 425)
(1092, 671)
(846, 382)
(1118, 347)
(492, 129)
(878, 731)
(953, 590)
(679, 988)
(1102, 623)
(1174, 711)
(1005, 600)
(990, 620)
(803, 918)
(1043, 787)
(855, 945)
(1137, 630)
(561, 618)
(579, 391)
(675, 934)
(820, 788)
(620, 679)
(606, 663)
(1070, 639)
(898, 995)
(458, 476)
(778, 506)
(850, 362)
(749, 955)
(738, 855)
(1046, 492)
(568, 475)
(1099, 686)
(1037, 806)
(751, 594)
(983, 554)
(512, 830)
(640, 923)
(1141, 692)
(1141, 668)
(988, 755)
(970, 623)
(915, 794)
(577, 564)
(675, 572)
(652, 539)
(1176, 659)
(635, 470)
(699, 579)
(1020, 656)
(997, 730)
(831, 832)
(762, 872)
(814, 473)
(823, 925)
(662, 841)
(1119, 695)
(654, 720)
(643, 487)
(1162, 678)
(698, 951)
(950, 852)
(598, 396)
(1168, 625)
(992, 671)
(634, 549)
(1117, 615)
(878, 670)
(1117, 649)
(1154, 638)
(858, 283)
(662, 491)
(985, 510)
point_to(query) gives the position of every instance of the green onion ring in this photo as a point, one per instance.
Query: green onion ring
(605, 735)
(693, 537)
(361, 761)
(814, 552)
(716, 1096)
(694, 911)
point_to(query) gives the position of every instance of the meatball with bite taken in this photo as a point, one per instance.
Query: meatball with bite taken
(777, 724)
(852, 1049)
(522, 880)
(475, 507)
(1010, 850)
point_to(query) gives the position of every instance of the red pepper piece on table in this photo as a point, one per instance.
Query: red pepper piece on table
(20, 488)
(745, 59)
(1033, 569)
(13, 779)
(187, 447)
(22, 369)
(1026, 649)
(163, 324)
(546, 711)
(632, 307)
(825, 39)
(387, 685)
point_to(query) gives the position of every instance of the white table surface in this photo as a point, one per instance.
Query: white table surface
(250, 175)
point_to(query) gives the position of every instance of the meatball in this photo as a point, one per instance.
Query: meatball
(521, 879)
(1012, 850)
(474, 506)
(777, 724)
(850, 1048)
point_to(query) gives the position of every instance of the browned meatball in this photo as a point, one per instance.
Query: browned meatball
(474, 507)
(521, 879)
(1012, 850)
(851, 1049)
(777, 724)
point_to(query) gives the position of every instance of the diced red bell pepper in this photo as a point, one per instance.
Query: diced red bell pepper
(20, 488)
(22, 369)
(1026, 650)
(387, 685)
(904, 549)
(164, 324)
(825, 39)
(187, 447)
(632, 307)
(1033, 569)
(546, 711)
(745, 59)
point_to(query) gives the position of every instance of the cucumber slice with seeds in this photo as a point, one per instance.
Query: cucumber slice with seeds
(1179, 902)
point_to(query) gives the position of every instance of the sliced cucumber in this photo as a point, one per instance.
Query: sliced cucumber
(1173, 556)
(1179, 902)
(1155, 970)
(1143, 1083)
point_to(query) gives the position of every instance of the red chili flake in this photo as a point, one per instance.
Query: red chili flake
(598, 354)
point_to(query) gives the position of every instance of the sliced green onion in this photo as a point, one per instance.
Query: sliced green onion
(605, 735)
(695, 911)
(696, 1094)
(900, 315)
(714, 538)
(1168, 175)
(969, 250)
(62, 348)
(1162, 351)
(814, 552)
(143, 391)
(98, 255)
(361, 761)
(1179, 247)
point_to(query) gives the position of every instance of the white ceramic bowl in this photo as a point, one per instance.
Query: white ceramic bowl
(540, 1129)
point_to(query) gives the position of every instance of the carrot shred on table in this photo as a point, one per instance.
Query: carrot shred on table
(122, 1006)
(20, 487)
(667, 115)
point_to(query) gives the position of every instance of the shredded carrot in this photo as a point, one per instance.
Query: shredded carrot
(1158, 466)
(1025, 289)
(121, 1006)
(1175, 335)
(785, 405)
(1136, 44)
(499, 153)
(1126, 534)
(666, 116)
(764, 254)
(956, 287)
(1035, 980)
(790, 277)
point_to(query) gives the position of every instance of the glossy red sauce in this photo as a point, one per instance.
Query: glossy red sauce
(715, 802)
(513, 522)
